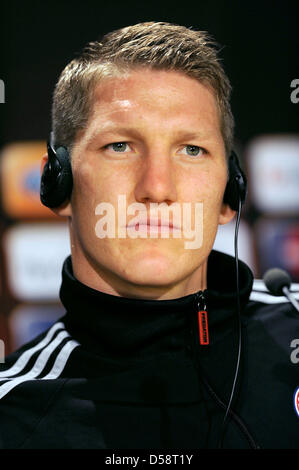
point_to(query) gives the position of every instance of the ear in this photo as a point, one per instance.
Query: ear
(65, 210)
(43, 162)
(226, 214)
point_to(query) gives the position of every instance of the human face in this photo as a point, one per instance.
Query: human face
(155, 116)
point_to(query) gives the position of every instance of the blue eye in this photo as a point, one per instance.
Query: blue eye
(119, 146)
(193, 150)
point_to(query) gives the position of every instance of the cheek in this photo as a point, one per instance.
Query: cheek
(83, 179)
(207, 187)
(85, 198)
(91, 185)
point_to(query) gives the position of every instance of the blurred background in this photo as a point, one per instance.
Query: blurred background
(260, 55)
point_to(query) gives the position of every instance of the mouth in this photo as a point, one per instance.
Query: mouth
(154, 225)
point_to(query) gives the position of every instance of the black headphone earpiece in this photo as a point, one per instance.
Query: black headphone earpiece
(57, 179)
(236, 188)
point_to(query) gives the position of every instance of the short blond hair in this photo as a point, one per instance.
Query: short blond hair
(154, 45)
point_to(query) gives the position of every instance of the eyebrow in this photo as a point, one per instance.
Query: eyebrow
(180, 134)
(114, 130)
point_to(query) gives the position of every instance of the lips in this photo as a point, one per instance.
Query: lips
(150, 222)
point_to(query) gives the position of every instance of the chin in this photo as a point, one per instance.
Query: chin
(154, 272)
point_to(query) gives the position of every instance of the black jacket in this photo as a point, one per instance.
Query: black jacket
(120, 373)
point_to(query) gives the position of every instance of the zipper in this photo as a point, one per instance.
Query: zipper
(203, 335)
(202, 316)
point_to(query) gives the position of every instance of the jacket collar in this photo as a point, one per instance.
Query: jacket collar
(127, 327)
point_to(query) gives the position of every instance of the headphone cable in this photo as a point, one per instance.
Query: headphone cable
(220, 443)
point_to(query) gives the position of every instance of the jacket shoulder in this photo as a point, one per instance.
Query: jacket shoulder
(272, 327)
(32, 374)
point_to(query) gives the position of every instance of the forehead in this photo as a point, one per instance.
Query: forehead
(157, 95)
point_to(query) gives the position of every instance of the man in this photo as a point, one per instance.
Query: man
(142, 118)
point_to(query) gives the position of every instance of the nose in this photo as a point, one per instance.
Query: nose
(156, 182)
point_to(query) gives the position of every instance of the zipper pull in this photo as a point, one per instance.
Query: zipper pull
(202, 319)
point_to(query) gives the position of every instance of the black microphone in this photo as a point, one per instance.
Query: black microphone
(278, 282)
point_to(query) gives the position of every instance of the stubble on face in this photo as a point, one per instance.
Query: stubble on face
(155, 112)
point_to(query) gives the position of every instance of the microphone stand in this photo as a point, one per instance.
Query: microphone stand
(289, 296)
